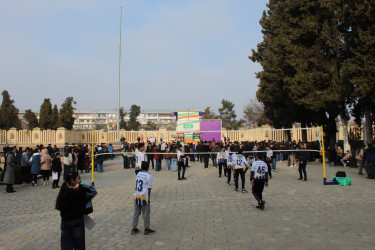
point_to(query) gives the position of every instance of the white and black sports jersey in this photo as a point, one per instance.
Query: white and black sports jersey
(250, 160)
(180, 156)
(269, 155)
(220, 157)
(231, 160)
(260, 169)
(138, 160)
(143, 181)
(240, 162)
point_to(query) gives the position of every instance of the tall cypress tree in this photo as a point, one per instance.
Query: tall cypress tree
(360, 67)
(8, 113)
(123, 124)
(46, 115)
(32, 120)
(55, 117)
(302, 54)
(66, 114)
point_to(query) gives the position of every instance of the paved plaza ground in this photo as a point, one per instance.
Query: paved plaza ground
(203, 213)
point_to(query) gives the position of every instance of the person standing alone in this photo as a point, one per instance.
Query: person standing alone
(143, 186)
(302, 158)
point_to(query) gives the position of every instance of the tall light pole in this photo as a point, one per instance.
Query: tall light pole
(118, 88)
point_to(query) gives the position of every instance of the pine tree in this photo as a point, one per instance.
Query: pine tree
(133, 124)
(32, 120)
(302, 55)
(228, 116)
(123, 124)
(66, 114)
(46, 115)
(55, 117)
(360, 67)
(8, 113)
(209, 114)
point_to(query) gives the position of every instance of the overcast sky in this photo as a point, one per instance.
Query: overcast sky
(185, 54)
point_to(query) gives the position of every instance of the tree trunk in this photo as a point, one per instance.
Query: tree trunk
(368, 125)
(331, 130)
(304, 132)
(346, 135)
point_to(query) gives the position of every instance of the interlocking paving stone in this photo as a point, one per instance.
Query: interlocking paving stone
(203, 212)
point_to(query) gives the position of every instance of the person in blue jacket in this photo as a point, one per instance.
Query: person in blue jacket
(35, 166)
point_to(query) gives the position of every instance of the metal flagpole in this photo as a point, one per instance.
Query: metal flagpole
(118, 88)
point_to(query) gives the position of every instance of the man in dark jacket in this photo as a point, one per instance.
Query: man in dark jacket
(302, 158)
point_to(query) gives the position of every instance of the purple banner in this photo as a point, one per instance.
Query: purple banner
(210, 126)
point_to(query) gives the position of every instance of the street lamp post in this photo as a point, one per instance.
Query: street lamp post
(118, 88)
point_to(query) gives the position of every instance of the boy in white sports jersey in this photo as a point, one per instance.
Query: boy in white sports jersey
(226, 154)
(231, 157)
(180, 163)
(143, 186)
(239, 170)
(220, 159)
(139, 158)
(259, 178)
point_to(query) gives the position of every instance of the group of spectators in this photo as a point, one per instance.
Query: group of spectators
(50, 161)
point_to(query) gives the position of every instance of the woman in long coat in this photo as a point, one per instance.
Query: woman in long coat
(35, 166)
(10, 172)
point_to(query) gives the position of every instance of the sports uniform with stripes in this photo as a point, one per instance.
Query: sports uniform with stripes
(239, 170)
(259, 176)
(220, 159)
(139, 158)
(143, 185)
(269, 156)
(230, 164)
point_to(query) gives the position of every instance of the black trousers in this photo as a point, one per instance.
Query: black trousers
(55, 183)
(213, 157)
(181, 165)
(73, 234)
(10, 188)
(187, 162)
(45, 174)
(25, 172)
(239, 172)
(229, 174)
(126, 162)
(269, 168)
(220, 168)
(66, 171)
(206, 159)
(150, 159)
(257, 189)
(302, 168)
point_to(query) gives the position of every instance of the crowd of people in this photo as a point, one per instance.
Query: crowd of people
(50, 162)
(228, 157)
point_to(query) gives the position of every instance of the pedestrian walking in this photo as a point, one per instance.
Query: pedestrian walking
(45, 166)
(259, 178)
(302, 158)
